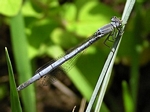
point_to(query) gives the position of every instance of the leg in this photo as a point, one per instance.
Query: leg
(107, 38)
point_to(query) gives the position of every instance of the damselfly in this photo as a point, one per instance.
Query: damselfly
(110, 29)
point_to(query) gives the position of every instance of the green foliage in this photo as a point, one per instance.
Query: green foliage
(10, 7)
(127, 98)
(49, 28)
(60, 27)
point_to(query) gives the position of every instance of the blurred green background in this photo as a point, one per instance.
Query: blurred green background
(38, 31)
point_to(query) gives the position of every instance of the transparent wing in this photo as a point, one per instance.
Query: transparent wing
(65, 67)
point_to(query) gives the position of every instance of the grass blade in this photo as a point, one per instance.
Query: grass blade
(14, 98)
(106, 72)
(20, 45)
(128, 101)
(127, 10)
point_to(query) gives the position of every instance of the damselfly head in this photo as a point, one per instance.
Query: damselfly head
(116, 22)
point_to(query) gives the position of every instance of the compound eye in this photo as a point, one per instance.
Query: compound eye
(113, 19)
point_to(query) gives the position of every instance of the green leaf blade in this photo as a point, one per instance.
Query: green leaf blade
(10, 7)
(20, 48)
(14, 98)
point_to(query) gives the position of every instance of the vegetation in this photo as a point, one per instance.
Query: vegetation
(36, 31)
